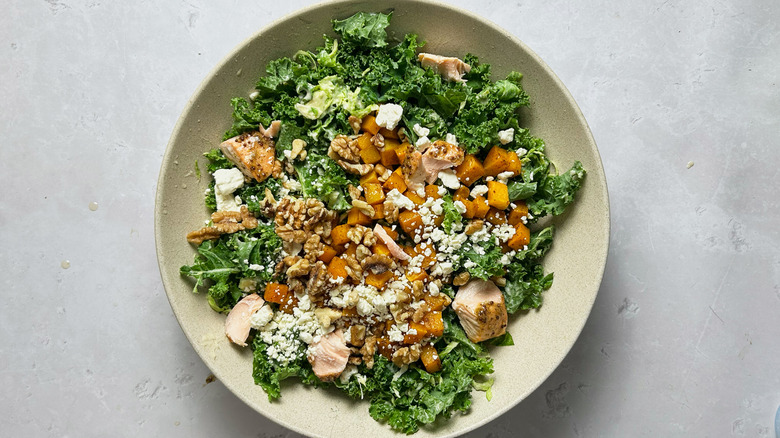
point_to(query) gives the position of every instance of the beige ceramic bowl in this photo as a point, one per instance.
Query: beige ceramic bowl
(542, 338)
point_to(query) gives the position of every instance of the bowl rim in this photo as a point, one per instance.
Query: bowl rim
(230, 56)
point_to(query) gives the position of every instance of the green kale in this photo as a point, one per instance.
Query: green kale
(520, 190)
(269, 373)
(246, 117)
(366, 29)
(225, 261)
(322, 178)
(451, 215)
(556, 192)
(217, 161)
(481, 259)
(524, 287)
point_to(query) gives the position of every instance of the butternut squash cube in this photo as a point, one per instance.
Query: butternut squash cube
(369, 125)
(289, 304)
(364, 141)
(370, 177)
(461, 194)
(497, 161)
(430, 359)
(516, 215)
(413, 337)
(521, 238)
(402, 151)
(434, 323)
(391, 232)
(496, 216)
(275, 292)
(379, 281)
(515, 166)
(481, 206)
(337, 268)
(417, 276)
(498, 195)
(396, 181)
(432, 191)
(328, 252)
(357, 217)
(339, 234)
(379, 212)
(386, 133)
(438, 302)
(414, 197)
(380, 249)
(373, 193)
(411, 222)
(470, 170)
(370, 155)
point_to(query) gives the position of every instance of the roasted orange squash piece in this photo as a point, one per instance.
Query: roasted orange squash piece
(364, 141)
(379, 281)
(396, 181)
(434, 323)
(430, 359)
(357, 217)
(373, 193)
(498, 195)
(328, 252)
(470, 170)
(369, 125)
(337, 268)
(339, 234)
(411, 222)
(276, 292)
(497, 161)
(521, 238)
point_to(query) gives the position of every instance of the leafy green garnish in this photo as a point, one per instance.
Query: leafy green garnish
(519, 190)
(524, 288)
(269, 373)
(451, 214)
(482, 259)
(556, 192)
(322, 178)
(364, 29)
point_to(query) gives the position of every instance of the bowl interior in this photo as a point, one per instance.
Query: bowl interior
(578, 256)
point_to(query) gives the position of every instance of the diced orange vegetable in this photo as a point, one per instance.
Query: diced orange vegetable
(414, 197)
(379, 281)
(357, 217)
(370, 177)
(389, 158)
(434, 323)
(379, 212)
(470, 170)
(289, 304)
(337, 268)
(350, 250)
(391, 232)
(385, 347)
(369, 125)
(339, 234)
(515, 166)
(516, 215)
(432, 191)
(328, 252)
(396, 181)
(276, 292)
(436, 303)
(349, 312)
(521, 238)
(415, 276)
(370, 155)
(411, 222)
(471, 209)
(438, 220)
(386, 133)
(420, 333)
(496, 216)
(364, 141)
(498, 195)
(497, 161)
(402, 151)
(428, 252)
(461, 194)
(481, 206)
(380, 248)
(430, 359)
(373, 193)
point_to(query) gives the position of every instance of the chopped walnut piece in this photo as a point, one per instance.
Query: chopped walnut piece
(362, 252)
(296, 219)
(299, 269)
(318, 279)
(461, 279)
(368, 350)
(391, 211)
(364, 207)
(378, 263)
(357, 169)
(473, 226)
(354, 123)
(297, 149)
(356, 233)
(344, 148)
(357, 335)
(224, 222)
(499, 281)
(354, 270)
(354, 192)
(406, 355)
(312, 248)
(378, 141)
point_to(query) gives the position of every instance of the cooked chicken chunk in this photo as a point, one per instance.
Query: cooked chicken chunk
(253, 153)
(239, 322)
(393, 247)
(272, 130)
(480, 307)
(441, 155)
(451, 69)
(328, 356)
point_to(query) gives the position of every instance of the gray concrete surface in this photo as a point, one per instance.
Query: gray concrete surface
(684, 336)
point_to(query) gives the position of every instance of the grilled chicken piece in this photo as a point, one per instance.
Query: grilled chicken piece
(451, 69)
(395, 250)
(328, 356)
(253, 153)
(273, 129)
(238, 321)
(413, 171)
(441, 155)
(480, 307)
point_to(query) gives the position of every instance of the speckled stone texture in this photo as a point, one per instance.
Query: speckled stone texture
(683, 339)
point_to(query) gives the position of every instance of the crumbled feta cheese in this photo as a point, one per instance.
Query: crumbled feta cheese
(389, 115)
(347, 374)
(451, 139)
(395, 335)
(433, 289)
(504, 176)
(506, 136)
(256, 267)
(422, 141)
(399, 200)
(262, 317)
(521, 151)
(449, 179)
(227, 181)
(420, 131)
(460, 206)
(478, 190)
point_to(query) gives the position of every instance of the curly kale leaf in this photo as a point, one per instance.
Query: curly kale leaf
(524, 287)
(556, 192)
(322, 178)
(365, 29)
(451, 214)
(269, 373)
(481, 259)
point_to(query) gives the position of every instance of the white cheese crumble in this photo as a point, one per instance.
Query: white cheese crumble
(420, 131)
(399, 200)
(451, 139)
(460, 206)
(521, 151)
(449, 179)
(262, 317)
(506, 136)
(389, 115)
(478, 190)
(503, 177)
(422, 141)
(227, 181)
(395, 335)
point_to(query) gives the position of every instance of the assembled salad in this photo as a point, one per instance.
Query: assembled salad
(373, 226)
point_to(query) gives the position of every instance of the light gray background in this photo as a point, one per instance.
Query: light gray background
(684, 336)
